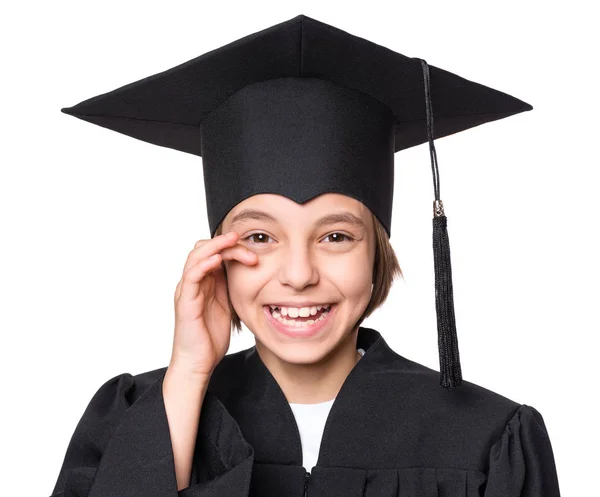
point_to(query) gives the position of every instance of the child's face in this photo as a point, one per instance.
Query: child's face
(301, 260)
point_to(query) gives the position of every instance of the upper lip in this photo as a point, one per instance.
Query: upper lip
(299, 304)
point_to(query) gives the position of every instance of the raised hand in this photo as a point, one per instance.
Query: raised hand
(202, 314)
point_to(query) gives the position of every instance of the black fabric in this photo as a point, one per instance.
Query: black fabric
(391, 432)
(339, 140)
(170, 109)
(450, 368)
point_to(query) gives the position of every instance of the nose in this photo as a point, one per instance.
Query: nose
(298, 268)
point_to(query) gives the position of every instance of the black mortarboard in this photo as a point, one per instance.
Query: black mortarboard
(303, 108)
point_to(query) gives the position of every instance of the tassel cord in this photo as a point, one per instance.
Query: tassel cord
(450, 369)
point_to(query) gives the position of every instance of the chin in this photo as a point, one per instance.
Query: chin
(297, 354)
(297, 350)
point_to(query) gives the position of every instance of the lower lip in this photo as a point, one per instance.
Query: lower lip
(294, 332)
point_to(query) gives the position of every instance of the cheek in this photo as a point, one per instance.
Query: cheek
(243, 282)
(352, 274)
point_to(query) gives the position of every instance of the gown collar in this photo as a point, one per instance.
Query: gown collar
(265, 417)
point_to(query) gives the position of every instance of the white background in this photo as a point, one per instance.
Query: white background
(96, 226)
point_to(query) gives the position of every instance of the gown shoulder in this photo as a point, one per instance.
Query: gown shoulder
(121, 446)
(479, 443)
(521, 461)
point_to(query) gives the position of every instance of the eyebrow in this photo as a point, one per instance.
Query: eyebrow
(341, 217)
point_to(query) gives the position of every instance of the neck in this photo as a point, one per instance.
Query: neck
(315, 382)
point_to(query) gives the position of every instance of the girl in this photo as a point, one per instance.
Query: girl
(297, 126)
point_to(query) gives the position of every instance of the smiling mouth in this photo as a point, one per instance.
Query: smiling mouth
(301, 321)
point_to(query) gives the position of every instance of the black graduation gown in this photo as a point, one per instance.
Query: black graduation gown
(391, 432)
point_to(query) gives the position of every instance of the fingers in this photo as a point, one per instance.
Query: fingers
(226, 245)
(203, 249)
(190, 285)
(193, 275)
(207, 256)
(239, 253)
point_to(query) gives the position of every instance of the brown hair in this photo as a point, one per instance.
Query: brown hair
(385, 270)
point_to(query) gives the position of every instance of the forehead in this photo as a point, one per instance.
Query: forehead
(282, 207)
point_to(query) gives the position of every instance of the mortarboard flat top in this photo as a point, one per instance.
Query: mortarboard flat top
(168, 108)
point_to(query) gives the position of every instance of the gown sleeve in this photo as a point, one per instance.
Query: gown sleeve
(521, 462)
(121, 446)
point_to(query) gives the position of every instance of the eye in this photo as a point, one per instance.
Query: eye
(338, 237)
(253, 236)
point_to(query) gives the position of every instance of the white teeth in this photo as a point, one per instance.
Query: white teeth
(293, 312)
(297, 324)
(304, 312)
(303, 309)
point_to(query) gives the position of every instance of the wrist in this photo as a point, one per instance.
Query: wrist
(185, 376)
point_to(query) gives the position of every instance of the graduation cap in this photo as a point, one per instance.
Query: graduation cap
(304, 108)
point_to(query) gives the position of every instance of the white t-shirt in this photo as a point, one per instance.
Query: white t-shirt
(311, 419)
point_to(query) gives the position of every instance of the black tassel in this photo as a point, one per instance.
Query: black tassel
(450, 370)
